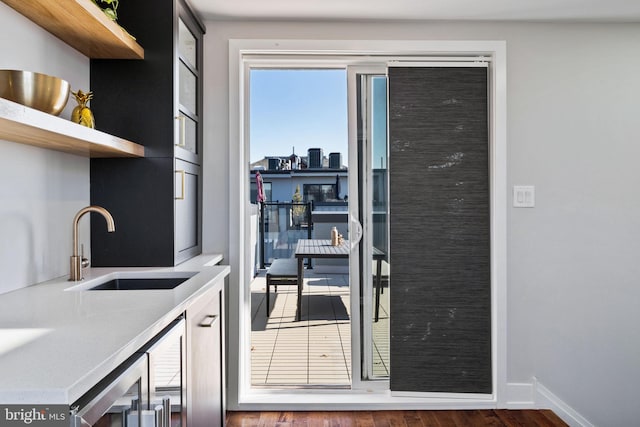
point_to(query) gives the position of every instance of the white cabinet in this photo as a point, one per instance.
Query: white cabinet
(205, 367)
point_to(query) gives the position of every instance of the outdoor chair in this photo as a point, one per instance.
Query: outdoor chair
(282, 271)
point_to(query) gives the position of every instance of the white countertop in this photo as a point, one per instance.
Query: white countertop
(56, 343)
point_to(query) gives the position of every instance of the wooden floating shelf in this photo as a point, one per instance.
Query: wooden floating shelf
(82, 25)
(28, 126)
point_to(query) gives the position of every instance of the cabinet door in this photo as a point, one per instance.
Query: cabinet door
(189, 87)
(205, 371)
(167, 373)
(187, 210)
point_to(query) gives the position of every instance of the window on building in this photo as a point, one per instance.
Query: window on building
(254, 191)
(319, 192)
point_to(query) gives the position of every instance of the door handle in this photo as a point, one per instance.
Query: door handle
(182, 138)
(356, 232)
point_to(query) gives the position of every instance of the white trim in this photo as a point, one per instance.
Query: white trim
(235, 229)
(266, 62)
(331, 400)
(519, 396)
(547, 400)
(239, 396)
(361, 344)
(354, 256)
(367, 48)
(499, 188)
(448, 396)
(534, 395)
(433, 64)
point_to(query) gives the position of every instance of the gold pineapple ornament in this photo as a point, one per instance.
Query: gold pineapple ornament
(82, 114)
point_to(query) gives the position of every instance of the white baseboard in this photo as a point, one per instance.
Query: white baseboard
(520, 396)
(545, 399)
(534, 395)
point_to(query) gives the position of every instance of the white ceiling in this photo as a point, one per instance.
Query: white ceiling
(519, 10)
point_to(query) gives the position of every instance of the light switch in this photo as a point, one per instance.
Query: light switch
(524, 196)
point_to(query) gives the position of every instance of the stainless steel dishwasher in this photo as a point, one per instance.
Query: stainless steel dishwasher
(148, 390)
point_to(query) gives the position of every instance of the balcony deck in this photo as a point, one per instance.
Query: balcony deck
(316, 351)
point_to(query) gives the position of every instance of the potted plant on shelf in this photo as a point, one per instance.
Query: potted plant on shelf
(109, 7)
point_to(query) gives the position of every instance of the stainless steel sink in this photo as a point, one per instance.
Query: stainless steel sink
(134, 281)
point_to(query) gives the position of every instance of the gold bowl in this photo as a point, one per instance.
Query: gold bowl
(40, 91)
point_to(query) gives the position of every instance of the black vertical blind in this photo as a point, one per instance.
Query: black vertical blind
(439, 230)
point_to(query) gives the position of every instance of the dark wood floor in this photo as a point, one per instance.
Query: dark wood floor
(467, 418)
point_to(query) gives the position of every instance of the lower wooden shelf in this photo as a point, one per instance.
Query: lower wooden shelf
(28, 126)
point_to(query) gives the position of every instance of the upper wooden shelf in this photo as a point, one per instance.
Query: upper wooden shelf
(82, 25)
(28, 126)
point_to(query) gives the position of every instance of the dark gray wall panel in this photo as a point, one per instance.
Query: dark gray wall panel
(141, 215)
(439, 230)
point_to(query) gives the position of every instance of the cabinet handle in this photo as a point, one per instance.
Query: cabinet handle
(208, 321)
(182, 175)
(183, 132)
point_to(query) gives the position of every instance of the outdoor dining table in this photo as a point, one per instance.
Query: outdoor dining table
(322, 248)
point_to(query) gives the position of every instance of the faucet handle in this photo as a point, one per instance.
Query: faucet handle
(83, 261)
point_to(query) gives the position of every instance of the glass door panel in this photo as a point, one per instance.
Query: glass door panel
(189, 89)
(119, 400)
(300, 325)
(187, 44)
(167, 376)
(377, 218)
(370, 183)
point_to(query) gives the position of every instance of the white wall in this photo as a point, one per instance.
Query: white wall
(573, 293)
(40, 189)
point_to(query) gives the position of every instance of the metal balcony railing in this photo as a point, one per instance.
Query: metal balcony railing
(281, 225)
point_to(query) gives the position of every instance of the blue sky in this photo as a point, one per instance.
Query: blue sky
(298, 108)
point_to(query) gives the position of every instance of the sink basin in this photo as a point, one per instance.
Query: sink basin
(138, 284)
(135, 281)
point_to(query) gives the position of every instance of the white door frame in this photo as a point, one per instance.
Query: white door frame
(322, 53)
(358, 344)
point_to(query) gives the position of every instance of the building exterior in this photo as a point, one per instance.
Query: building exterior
(314, 185)
(327, 182)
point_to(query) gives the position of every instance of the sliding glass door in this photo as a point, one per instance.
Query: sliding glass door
(420, 150)
(417, 203)
(368, 131)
